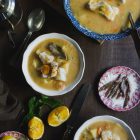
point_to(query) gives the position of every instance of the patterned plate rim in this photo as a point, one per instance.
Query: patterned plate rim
(121, 110)
(12, 132)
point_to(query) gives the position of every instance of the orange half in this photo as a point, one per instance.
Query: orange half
(58, 116)
(35, 128)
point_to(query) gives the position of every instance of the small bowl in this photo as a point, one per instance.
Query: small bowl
(14, 134)
(28, 78)
(92, 34)
(104, 118)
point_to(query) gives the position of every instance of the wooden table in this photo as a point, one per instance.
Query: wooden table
(98, 59)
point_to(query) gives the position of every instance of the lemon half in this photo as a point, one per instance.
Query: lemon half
(58, 116)
(35, 128)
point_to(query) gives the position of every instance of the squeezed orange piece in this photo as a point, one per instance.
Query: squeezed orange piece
(35, 128)
(58, 116)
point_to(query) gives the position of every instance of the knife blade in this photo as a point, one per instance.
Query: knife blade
(75, 109)
(135, 34)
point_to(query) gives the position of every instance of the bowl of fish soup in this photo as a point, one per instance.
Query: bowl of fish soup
(108, 127)
(89, 17)
(53, 64)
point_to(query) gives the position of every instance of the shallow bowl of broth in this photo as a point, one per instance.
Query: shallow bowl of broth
(104, 127)
(96, 26)
(63, 58)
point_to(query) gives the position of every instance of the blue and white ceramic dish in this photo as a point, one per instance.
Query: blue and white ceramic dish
(90, 33)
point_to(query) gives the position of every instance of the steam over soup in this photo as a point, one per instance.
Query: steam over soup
(105, 16)
(104, 130)
(54, 64)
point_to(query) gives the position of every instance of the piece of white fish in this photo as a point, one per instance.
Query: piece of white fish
(66, 66)
(106, 135)
(110, 12)
(95, 4)
(46, 58)
(61, 74)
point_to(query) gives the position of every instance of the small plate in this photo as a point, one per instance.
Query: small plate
(134, 80)
(14, 134)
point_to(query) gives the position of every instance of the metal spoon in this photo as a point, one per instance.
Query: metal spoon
(35, 22)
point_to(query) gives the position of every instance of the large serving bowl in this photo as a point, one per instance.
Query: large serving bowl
(25, 70)
(92, 34)
(104, 118)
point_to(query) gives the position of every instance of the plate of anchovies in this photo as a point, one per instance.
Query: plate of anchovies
(119, 88)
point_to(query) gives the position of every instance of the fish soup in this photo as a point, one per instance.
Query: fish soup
(105, 16)
(104, 130)
(54, 64)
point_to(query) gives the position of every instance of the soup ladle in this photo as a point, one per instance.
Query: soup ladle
(35, 22)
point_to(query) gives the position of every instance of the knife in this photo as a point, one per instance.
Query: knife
(135, 34)
(75, 109)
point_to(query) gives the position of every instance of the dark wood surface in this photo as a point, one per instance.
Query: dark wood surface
(98, 59)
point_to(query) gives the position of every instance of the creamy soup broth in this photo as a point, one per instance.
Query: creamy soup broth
(115, 128)
(72, 55)
(98, 23)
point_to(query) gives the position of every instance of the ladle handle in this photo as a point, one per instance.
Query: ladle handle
(17, 57)
(136, 37)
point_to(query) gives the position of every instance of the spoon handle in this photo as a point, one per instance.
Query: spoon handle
(17, 57)
(24, 44)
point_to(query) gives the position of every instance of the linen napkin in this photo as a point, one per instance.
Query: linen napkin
(10, 107)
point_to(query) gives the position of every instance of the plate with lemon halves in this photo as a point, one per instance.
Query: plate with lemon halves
(53, 64)
(103, 19)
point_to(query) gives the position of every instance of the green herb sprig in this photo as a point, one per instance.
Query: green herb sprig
(36, 103)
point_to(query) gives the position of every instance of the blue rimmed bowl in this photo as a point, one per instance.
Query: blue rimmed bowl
(92, 34)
